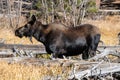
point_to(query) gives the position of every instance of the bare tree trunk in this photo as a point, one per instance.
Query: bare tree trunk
(79, 14)
(52, 11)
(19, 12)
(1, 3)
(43, 5)
(74, 12)
(9, 12)
(82, 11)
(46, 12)
(64, 11)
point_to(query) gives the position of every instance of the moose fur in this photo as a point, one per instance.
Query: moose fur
(60, 40)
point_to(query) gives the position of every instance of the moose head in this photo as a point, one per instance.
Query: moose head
(27, 29)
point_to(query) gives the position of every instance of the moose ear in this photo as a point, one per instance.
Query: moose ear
(33, 19)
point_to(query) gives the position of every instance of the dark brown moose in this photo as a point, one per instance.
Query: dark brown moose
(60, 40)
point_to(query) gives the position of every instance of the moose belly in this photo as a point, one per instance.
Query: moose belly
(75, 47)
(72, 51)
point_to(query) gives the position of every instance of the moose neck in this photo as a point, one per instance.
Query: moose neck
(40, 35)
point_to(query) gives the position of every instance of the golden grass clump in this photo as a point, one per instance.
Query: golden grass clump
(24, 72)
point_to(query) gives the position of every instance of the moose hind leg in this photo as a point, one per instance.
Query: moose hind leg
(94, 45)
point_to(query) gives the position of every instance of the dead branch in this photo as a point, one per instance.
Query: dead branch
(99, 69)
(106, 52)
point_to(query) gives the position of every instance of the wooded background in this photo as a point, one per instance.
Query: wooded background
(69, 12)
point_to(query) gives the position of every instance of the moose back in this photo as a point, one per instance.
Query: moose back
(60, 40)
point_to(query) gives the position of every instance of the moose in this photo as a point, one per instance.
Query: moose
(60, 41)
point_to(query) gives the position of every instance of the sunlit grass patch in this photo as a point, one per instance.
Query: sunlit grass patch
(17, 71)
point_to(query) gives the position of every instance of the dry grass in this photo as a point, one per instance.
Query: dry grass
(22, 72)
(109, 27)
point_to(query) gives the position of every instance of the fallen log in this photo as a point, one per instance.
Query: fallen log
(99, 68)
(39, 49)
(106, 52)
